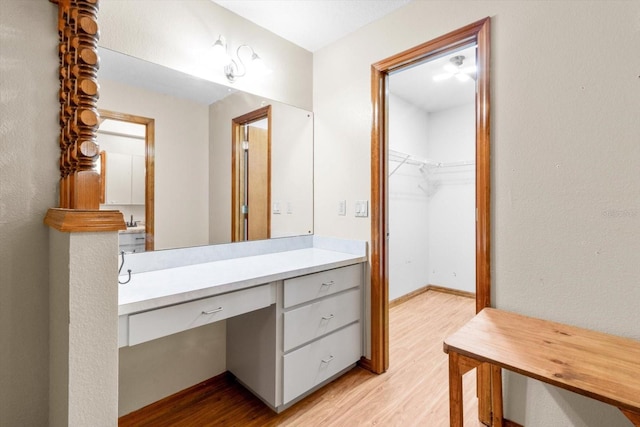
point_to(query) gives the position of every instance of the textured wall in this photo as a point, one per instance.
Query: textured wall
(28, 187)
(565, 162)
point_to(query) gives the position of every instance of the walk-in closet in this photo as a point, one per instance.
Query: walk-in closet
(431, 175)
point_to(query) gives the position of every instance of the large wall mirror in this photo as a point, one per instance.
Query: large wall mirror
(190, 200)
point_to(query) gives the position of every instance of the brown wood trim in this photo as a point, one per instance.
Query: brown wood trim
(190, 394)
(450, 291)
(75, 220)
(365, 363)
(509, 423)
(235, 220)
(150, 186)
(236, 123)
(483, 167)
(103, 175)
(478, 32)
(434, 288)
(150, 162)
(379, 274)
(404, 298)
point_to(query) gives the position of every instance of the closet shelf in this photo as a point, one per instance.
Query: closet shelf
(409, 159)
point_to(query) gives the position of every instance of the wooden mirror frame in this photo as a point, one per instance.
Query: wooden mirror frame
(478, 33)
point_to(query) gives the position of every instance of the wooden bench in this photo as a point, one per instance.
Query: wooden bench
(594, 364)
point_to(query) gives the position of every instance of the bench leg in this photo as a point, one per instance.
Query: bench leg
(634, 417)
(455, 391)
(496, 396)
(458, 366)
(483, 385)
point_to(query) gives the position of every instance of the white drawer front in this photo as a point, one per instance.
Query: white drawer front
(306, 288)
(310, 365)
(131, 238)
(169, 320)
(310, 321)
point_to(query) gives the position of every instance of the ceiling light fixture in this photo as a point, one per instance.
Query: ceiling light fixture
(454, 68)
(235, 68)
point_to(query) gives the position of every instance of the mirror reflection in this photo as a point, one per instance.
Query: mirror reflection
(189, 191)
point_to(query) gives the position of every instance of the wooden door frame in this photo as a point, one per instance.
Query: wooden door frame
(236, 123)
(478, 32)
(149, 163)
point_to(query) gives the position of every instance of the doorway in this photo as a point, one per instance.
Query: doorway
(132, 177)
(431, 180)
(251, 176)
(477, 33)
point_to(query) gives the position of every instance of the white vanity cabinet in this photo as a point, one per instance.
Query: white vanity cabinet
(312, 335)
(130, 241)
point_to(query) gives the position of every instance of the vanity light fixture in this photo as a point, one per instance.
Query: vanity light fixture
(235, 68)
(454, 68)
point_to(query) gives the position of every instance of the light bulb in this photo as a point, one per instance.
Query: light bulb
(220, 55)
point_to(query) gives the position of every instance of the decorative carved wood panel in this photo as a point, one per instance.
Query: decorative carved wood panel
(79, 117)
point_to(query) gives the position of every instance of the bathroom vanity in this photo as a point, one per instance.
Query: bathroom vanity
(293, 307)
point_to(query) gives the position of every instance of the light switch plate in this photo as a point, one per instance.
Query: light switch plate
(342, 207)
(362, 208)
(276, 208)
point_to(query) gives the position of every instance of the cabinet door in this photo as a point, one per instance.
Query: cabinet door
(118, 185)
(137, 180)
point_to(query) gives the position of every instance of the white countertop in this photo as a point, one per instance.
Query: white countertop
(158, 288)
(136, 229)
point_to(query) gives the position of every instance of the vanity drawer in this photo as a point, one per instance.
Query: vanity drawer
(310, 321)
(169, 320)
(131, 238)
(306, 288)
(314, 363)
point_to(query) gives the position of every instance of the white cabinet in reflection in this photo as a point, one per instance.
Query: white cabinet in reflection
(124, 179)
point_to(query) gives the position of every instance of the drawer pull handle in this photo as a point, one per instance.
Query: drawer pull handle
(327, 360)
(215, 310)
(329, 283)
(329, 317)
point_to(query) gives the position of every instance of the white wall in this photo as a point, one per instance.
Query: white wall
(408, 203)
(451, 190)
(181, 144)
(565, 159)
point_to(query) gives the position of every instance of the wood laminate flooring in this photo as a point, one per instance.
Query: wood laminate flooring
(413, 392)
